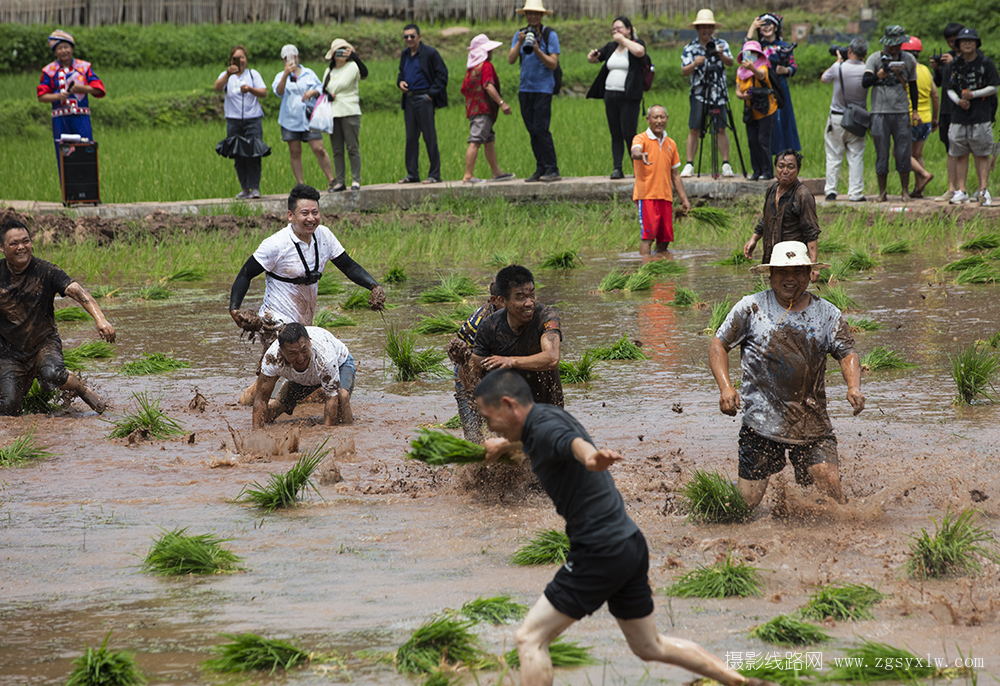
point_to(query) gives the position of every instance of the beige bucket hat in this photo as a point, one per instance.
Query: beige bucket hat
(337, 44)
(533, 6)
(705, 16)
(788, 254)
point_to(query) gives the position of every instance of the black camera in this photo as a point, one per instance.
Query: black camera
(711, 50)
(838, 50)
(530, 37)
(783, 54)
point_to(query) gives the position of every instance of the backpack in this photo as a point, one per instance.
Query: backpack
(557, 72)
(648, 72)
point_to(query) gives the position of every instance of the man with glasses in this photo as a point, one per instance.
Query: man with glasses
(423, 78)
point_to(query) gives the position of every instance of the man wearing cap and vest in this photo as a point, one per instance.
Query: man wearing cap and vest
(66, 83)
(784, 335)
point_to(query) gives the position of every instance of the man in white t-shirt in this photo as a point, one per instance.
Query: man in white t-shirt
(308, 358)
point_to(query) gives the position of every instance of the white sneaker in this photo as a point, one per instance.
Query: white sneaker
(974, 197)
(727, 170)
(985, 199)
(687, 171)
(959, 198)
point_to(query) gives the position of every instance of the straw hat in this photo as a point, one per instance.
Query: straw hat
(479, 50)
(788, 254)
(705, 16)
(337, 44)
(533, 6)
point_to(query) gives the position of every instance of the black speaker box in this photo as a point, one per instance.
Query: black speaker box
(78, 173)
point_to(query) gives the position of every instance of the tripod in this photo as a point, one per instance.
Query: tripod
(715, 81)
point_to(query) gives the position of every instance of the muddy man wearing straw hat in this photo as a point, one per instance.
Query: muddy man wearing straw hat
(785, 334)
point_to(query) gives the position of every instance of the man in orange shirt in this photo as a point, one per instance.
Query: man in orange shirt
(657, 173)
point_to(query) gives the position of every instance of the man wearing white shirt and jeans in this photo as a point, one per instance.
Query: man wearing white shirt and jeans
(309, 358)
(846, 77)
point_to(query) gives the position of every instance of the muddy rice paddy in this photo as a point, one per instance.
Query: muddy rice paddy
(394, 542)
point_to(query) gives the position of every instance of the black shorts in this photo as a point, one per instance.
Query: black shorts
(16, 375)
(616, 573)
(697, 116)
(760, 457)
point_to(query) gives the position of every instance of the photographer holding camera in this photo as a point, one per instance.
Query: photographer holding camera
(847, 77)
(537, 47)
(891, 74)
(244, 141)
(705, 60)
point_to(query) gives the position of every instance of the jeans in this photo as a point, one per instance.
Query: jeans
(536, 111)
(623, 117)
(419, 117)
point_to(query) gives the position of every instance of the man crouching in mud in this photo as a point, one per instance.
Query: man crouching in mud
(308, 357)
(784, 336)
(608, 559)
(30, 346)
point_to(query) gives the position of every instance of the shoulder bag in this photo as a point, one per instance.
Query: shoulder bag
(855, 119)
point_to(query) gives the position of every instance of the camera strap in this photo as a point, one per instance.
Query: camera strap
(311, 276)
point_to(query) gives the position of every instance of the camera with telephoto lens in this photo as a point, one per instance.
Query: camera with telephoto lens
(885, 61)
(838, 50)
(783, 54)
(531, 35)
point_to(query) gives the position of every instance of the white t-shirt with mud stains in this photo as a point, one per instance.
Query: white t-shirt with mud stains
(783, 356)
(290, 302)
(328, 353)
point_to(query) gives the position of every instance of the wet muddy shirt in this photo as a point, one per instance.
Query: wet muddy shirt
(27, 315)
(328, 353)
(495, 337)
(794, 218)
(588, 501)
(783, 356)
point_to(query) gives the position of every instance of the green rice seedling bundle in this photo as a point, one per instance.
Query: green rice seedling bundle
(713, 216)
(564, 653)
(724, 579)
(401, 349)
(452, 289)
(863, 324)
(711, 498)
(567, 259)
(358, 300)
(858, 260)
(981, 273)
(502, 259)
(104, 291)
(37, 401)
(774, 671)
(437, 324)
(622, 349)
(761, 283)
(737, 259)
(443, 639)
(328, 319)
(973, 371)
(439, 448)
(684, 297)
(842, 602)
(953, 549)
(441, 678)
(104, 668)
(883, 358)
(614, 280)
(22, 450)
(496, 610)
(193, 273)
(965, 263)
(285, 490)
(395, 275)
(720, 311)
(454, 423)
(463, 312)
(895, 248)
(987, 242)
(152, 292)
(826, 245)
(250, 652)
(152, 363)
(147, 419)
(993, 341)
(176, 553)
(327, 285)
(993, 254)
(838, 297)
(788, 631)
(839, 270)
(581, 371)
(873, 661)
(73, 357)
(71, 314)
(549, 546)
(640, 281)
(662, 267)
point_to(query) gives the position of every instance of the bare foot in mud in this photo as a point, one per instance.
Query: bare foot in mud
(94, 400)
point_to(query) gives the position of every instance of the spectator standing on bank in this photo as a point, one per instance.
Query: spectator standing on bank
(941, 67)
(891, 74)
(423, 78)
(537, 47)
(341, 82)
(65, 84)
(704, 60)
(847, 77)
(656, 162)
(766, 30)
(483, 103)
(619, 84)
(972, 88)
(298, 87)
(927, 108)
(755, 88)
(244, 141)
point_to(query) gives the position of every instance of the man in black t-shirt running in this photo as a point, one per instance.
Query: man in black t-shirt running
(608, 559)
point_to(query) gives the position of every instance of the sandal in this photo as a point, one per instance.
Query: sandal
(431, 179)
(339, 187)
(408, 179)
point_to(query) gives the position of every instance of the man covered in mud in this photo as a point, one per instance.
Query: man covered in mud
(522, 335)
(608, 559)
(308, 358)
(30, 346)
(784, 335)
(459, 351)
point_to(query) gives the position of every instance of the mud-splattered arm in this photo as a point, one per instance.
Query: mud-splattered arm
(718, 360)
(87, 302)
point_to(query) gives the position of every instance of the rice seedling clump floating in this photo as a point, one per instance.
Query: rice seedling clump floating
(439, 448)
(328, 319)
(549, 546)
(736, 259)
(724, 579)
(640, 281)
(152, 363)
(684, 297)
(837, 296)
(496, 610)
(720, 311)
(858, 260)
(895, 248)
(192, 273)
(788, 631)
(973, 370)
(955, 547)
(842, 602)
(250, 652)
(863, 324)
(453, 288)
(581, 371)
(285, 490)
(103, 291)
(327, 286)
(711, 498)
(73, 357)
(965, 263)
(873, 661)
(438, 324)
(987, 242)
(622, 349)
(395, 275)
(401, 349)
(981, 273)
(662, 267)
(564, 653)
(71, 314)
(176, 553)
(102, 667)
(358, 300)
(443, 639)
(152, 292)
(883, 358)
(614, 280)
(147, 419)
(454, 423)
(568, 259)
(22, 450)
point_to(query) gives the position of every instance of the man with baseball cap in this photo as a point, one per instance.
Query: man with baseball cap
(784, 335)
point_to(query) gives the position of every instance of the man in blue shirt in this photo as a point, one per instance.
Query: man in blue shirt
(423, 78)
(537, 47)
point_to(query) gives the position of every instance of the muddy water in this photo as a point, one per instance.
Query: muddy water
(395, 542)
